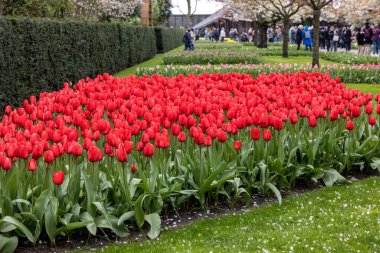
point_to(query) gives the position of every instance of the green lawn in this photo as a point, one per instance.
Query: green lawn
(337, 219)
(365, 88)
(292, 60)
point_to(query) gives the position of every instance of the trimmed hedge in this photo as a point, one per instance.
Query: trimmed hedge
(168, 38)
(40, 55)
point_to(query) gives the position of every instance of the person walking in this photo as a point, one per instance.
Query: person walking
(360, 39)
(250, 34)
(192, 35)
(222, 34)
(368, 33)
(206, 33)
(327, 38)
(331, 36)
(187, 40)
(376, 40)
(322, 41)
(347, 39)
(270, 34)
(215, 34)
(293, 32)
(299, 36)
(307, 37)
(335, 39)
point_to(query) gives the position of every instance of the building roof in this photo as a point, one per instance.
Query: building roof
(225, 13)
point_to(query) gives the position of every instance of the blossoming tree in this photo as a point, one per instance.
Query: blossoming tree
(105, 9)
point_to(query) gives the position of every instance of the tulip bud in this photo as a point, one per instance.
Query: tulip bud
(133, 168)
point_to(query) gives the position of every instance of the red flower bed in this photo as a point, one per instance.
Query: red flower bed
(183, 138)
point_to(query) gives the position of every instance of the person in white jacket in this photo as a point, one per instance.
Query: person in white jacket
(222, 34)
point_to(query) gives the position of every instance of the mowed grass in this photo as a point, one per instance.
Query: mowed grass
(337, 219)
(365, 88)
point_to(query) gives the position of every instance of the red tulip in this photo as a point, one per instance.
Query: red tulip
(121, 154)
(133, 168)
(372, 120)
(182, 137)
(148, 149)
(58, 177)
(222, 136)
(237, 145)
(7, 163)
(369, 108)
(32, 165)
(312, 121)
(49, 156)
(94, 154)
(349, 125)
(267, 135)
(208, 141)
(255, 134)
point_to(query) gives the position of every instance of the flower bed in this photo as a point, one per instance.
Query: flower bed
(116, 151)
(213, 57)
(349, 58)
(364, 73)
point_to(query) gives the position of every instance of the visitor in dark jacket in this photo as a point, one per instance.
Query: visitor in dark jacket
(361, 40)
(299, 36)
(347, 39)
(187, 40)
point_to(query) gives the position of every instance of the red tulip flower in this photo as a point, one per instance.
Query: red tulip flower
(372, 120)
(133, 168)
(94, 154)
(32, 165)
(255, 134)
(222, 136)
(312, 121)
(237, 145)
(49, 156)
(349, 125)
(267, 135)
(58, 177)
(121, 154)
(148, 150)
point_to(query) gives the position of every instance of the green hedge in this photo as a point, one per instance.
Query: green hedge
(39, 55)
(168, 38)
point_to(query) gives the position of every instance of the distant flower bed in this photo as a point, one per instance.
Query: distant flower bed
(348, 58)
(364, 73)
(213, 57)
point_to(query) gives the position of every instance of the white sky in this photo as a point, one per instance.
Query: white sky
(204, 7)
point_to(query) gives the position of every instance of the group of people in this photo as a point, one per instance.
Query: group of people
(332, 37)
(188, 39)
(215, 34)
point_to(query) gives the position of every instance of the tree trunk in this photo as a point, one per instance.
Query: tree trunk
(1, 7)
(261, 39)
(317, 15)
(285, 44)
(189, 16)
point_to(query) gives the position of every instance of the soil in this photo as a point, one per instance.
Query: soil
(170, 220)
